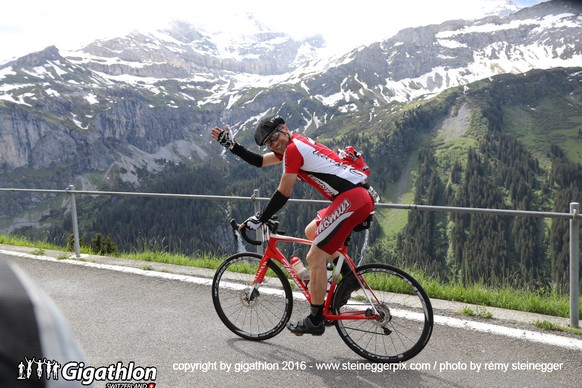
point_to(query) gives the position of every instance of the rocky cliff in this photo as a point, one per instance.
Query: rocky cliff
(148, 99)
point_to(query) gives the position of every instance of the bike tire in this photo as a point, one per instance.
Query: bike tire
(408, 316)
(266, 313)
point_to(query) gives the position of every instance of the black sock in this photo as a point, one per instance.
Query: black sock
(316, 315)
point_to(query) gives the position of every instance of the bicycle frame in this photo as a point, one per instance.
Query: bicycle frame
(391, 321)
(273, 252)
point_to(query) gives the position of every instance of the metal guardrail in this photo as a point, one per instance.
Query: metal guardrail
(574, 216)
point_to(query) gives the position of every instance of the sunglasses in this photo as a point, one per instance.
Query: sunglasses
(272, 138)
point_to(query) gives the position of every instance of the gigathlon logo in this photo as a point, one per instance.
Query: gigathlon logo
(31, 368)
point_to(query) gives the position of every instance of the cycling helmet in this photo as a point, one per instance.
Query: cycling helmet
(266, 126)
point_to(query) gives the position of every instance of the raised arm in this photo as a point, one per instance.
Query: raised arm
(270, 159)
(223, 136)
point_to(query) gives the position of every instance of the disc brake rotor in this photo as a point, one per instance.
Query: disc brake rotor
(249, 299)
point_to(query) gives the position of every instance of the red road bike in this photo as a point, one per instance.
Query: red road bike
(386, 317)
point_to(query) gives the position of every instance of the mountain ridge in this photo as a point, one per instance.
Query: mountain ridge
(126, 105)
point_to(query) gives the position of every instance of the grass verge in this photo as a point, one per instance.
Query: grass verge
(475, 312)
(550, 326)
(547, 303)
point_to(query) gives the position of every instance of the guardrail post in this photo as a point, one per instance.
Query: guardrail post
(75, 223)
(257, 209)
(574, 264)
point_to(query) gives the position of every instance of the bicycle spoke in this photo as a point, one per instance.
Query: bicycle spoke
(245, 309)
(406, 316)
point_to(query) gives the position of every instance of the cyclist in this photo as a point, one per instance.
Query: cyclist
(317, 165)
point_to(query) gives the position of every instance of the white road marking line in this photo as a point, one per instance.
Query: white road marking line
(544, 338)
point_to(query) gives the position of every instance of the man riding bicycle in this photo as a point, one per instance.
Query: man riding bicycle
(319, 166)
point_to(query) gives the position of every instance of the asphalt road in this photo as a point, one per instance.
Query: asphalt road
(171, 324)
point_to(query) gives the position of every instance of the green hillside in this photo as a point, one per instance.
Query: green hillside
(512, 141)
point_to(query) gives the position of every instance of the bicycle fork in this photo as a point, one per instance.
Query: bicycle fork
(253, 290)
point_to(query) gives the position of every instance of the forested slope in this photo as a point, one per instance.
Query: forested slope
(511, 142)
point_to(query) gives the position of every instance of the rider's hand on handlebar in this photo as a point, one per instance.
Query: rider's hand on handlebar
(252, 223)
(223, 136)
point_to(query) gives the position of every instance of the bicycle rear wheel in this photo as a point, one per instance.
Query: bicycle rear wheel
(252, 313)
(407, 316)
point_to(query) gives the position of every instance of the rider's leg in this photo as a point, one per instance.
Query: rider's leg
(311, 232)
(347, 210)
(316, 259)
(313, 323)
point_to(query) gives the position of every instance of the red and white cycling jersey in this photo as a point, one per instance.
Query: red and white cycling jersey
(323, 169)
(319, 166)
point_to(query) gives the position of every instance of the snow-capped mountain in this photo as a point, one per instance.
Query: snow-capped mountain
(146, 99)
(427, 60)
(184, 51)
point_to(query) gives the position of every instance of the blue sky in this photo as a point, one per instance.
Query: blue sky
(32, 25)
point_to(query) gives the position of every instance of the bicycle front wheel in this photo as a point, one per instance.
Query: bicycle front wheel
(255, 312)
(407, 316)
